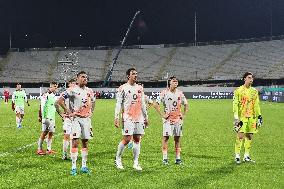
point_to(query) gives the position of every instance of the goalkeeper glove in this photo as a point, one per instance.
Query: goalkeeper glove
(259, 121)
(237, 125)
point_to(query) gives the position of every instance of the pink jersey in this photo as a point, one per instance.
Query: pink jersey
(172, 102)
(80, 100)
(131, 99)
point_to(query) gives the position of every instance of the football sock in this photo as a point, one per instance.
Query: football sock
(120, 149)
(165, 152)
(247, 146)
(74, 156)
(18, 121)
(49, 141)
(65, 145)
(136, 151)
(178, 153)
(238, 145)
(84, 154)
(39, 143)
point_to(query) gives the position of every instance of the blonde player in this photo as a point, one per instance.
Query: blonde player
(130, 99)
(247, 116)
(172, 116)
(19, 98)
(67, 123)
(82, 103)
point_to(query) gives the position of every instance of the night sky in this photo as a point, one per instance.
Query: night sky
(104, 22)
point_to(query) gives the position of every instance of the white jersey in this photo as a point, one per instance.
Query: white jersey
(131, 99)
(172, 102)
(80, 100)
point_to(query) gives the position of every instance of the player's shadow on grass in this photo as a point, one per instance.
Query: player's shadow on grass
(207, 177)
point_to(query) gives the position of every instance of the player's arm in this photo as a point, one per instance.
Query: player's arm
(61, 103)
(257, 111)
(93, 100)
(236, 105)
(157, 106)
(237, 123)
(185, 104)
(41, 112)
(26, 99)
(13, 102)
(118, 106)
(144, 109)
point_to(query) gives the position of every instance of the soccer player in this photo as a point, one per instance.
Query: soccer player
(82, 104)
(247, 116)
(130, 99)
(6, 95)
(67, 123)
(172, 116)
(19, 98)
(47, 118)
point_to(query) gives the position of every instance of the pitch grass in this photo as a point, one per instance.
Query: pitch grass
(207, 152)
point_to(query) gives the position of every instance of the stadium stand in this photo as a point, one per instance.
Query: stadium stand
(210, 62)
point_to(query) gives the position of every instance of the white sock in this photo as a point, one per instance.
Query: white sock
(65, 145)
(165, 154)
(74, 156)
(120, 149)
(84, 154)
(18, 121)
(136, 152)
(49, 141)
(39, 143)
(237, 156)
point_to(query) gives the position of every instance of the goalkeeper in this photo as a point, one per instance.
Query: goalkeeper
(247, 116)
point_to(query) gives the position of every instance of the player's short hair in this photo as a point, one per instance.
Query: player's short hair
(128, 71)
(18, 84)
(71, 80)
(53, 83)
(80, 73)
(246, 74)
(171, 78)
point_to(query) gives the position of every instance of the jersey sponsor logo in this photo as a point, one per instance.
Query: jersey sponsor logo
(135, 96)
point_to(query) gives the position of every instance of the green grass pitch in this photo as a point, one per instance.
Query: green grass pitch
(207, 152)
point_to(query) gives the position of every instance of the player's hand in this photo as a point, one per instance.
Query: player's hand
(237, 125)
(116, 123)
(259, 121)
(146, 123)
(165, 116)
(39, 119)
(13, 106)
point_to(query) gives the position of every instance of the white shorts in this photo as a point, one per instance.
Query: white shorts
(67, 125)
(81, 128)
(172, 129)
(48, 125)
(20, 110)
(133, 128)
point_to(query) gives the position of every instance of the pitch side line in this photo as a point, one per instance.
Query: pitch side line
(4, 154)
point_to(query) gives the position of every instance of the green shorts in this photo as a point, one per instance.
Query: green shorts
(249, 125)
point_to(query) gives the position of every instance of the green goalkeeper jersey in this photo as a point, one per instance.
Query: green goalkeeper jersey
(19, 97)
(246, 103)
(47, 105)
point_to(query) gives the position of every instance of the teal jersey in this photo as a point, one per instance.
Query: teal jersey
(47, 105)
(19, 97)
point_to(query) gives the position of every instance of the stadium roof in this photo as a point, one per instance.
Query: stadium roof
(92, 23)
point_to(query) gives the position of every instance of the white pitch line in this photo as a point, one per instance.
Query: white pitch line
(4, 154)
